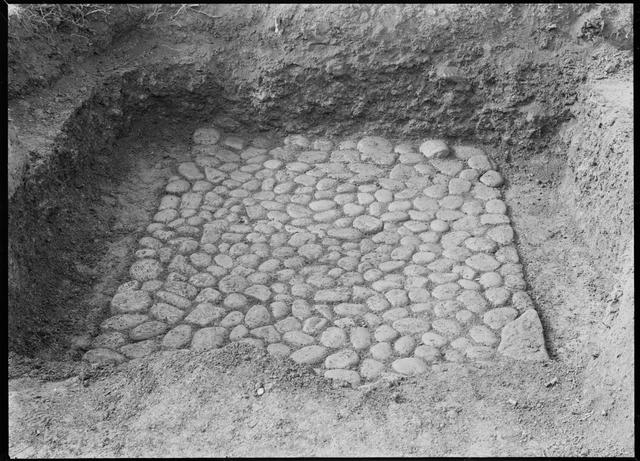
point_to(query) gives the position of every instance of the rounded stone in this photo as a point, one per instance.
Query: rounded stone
(490, 279)
(447, 327)
(409, 366)
(502, 234)
(445, 291)
(492, 178)
(482, 262)
(131, 301)
(204, 314)
(404, 345)
(483, 335)
(368, 224)
(103, 355)
(345, 358)
(235, 301)
(433, 339)
(309, 355)
(480, 163)
(139, 349)
(257, 316)
(381, 351)
(499, 317)
(385, 333)
(497, 296)
(434, 148)
(333, 337)
(426, 353)
(370, 368)
(410, 325)
(208, 338)
(178, 187)
(177, 338)
(145, 269)
(376, 149)
(279, 350)
(314, 325)
(339, 375)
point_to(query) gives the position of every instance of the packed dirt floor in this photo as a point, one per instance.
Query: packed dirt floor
(102, 110)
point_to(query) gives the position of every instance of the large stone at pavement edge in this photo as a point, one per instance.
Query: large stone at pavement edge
(522, 338)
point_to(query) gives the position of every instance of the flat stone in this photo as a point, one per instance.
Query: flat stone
(522, 339)
(409, 366)
(309, 355)
(208, 338)
(434, 148)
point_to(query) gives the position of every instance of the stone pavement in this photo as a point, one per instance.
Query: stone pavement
(359, 259)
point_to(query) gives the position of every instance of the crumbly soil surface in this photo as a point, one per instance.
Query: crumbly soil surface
(93, 197)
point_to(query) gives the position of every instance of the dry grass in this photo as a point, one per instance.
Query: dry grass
(43, 19)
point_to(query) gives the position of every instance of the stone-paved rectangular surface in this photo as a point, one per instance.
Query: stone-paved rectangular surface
(360, 258)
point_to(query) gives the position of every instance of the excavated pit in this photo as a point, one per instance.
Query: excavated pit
(391, 239)
(92, 201)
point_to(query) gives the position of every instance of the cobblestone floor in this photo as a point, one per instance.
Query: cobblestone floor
(358, 258)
